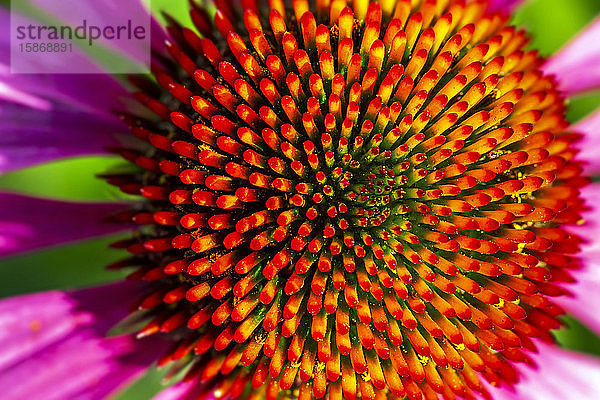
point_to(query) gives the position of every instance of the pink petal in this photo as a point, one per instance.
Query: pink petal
(192, 390)
(583, 303)
(28, 223)
(590, 142)
(84, 366)
(29, 323)
(559, 375)
(10, 93)
(30, 136)
(53, 344)
(577, 65)
(506, 6)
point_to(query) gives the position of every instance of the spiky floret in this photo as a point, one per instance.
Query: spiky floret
(357, 200)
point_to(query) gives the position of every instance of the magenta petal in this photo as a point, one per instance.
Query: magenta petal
(192, 390)
(28, 223)
(53, 344)
(184, 391)
(92, 93)
(505, 6)
(559, 375)
(10, 93)
(32, 322)
(585, 297)
(577, 65)
(83, 366)
(31, 137)
(590, 142)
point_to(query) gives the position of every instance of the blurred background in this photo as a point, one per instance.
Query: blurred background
(550, 22)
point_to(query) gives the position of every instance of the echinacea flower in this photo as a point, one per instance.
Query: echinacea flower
(334, 199)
